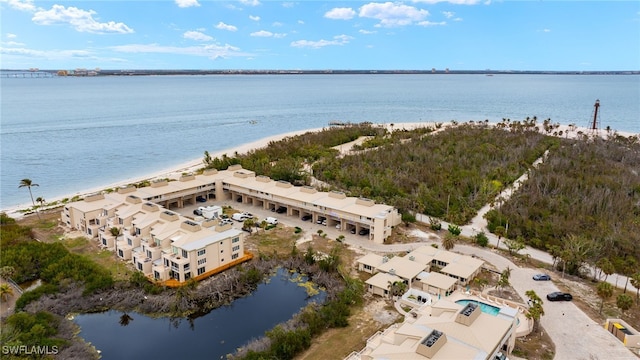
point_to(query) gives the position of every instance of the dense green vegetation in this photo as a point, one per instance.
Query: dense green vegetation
(586, 193)
(284, 159)
(35, 331)
(51, 263)
(450, 174)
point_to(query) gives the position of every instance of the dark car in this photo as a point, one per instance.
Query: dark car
(306, 218)
(363, 231)
(559, 296)
(541, 277)
(201, 199)
(281, 210)
(197, 212)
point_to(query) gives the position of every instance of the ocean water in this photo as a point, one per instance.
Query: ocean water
(72, 134)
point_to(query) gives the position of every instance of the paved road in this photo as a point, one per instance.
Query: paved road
(575, 335)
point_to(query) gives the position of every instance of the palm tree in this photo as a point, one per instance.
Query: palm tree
(28, 184)
(116, 232)
(605, 291)
(40, 200)
(624, 302)
(449, 241)
(5, 291)
(536, 311)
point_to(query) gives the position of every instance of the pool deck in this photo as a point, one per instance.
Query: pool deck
(523, 328)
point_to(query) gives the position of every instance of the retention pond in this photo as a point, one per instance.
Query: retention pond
(211, 336)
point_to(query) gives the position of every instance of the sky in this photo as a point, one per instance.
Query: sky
(311, 35)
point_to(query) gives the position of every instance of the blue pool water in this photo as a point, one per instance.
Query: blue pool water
(486, 308)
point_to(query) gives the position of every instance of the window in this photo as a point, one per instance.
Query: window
(201, 270)
(129, 242)
(234, 256)
(138, 231)
(236, 248)
(202, 261)
(221, 251)
(89, 232)
(186, 267)
(149, 254)
(184, 254)
(235, 240)
(367, 267)
(156, 275)
(140, 266)
(187, 275)
(222, 260)
(104, 241)
(202, 252)
(120, 253)
(166, 262)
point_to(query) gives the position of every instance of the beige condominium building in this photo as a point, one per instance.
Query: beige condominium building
(348, 214)
(168, 247)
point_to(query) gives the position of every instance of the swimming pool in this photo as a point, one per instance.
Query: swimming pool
(486, 308)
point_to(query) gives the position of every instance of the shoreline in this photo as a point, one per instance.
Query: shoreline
(191, 166)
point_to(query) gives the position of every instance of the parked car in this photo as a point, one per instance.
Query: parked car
(541, 277)
(281, 210)
(271, 220)
(197, 212)
(559, 296)
(201, 199)
(363, 231)
(321, 220)
(306, 218)
(353, 230)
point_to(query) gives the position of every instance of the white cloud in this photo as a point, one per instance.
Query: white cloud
(223, 26)
(340, 14)
(546, 30)
(337, 40)
(212, 51)
(288, 4)
(448, 14)
(11, 36)
(12, 43)
(250, 2)
(431, 23)
(22, 5)
(300, 22)
(366, 32)
(79, 19)
(264, 33)
(457, 2)
(392, 14)
(254, 18)
(196, 35)
(49, 54)
(276, 24)
(187, 3)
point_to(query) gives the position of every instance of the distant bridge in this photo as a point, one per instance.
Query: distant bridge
(27, 74)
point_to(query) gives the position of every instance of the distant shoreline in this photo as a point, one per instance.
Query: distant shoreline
(176, 171)
(161, 72)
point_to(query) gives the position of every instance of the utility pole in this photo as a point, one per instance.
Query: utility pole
(594, 125)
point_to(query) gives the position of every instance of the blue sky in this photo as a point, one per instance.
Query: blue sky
(261, 34)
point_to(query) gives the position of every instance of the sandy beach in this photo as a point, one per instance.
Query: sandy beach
(566, 131)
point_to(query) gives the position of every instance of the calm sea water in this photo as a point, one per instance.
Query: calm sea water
(73, 134)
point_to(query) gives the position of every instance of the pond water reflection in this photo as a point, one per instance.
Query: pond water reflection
(211, 336)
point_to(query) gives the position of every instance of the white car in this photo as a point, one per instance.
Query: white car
(271, 221)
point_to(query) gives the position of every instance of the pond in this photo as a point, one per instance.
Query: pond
(211, 336)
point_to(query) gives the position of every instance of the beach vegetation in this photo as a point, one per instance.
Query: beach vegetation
(585, 188)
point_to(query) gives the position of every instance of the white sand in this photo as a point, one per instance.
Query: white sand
(192, 166)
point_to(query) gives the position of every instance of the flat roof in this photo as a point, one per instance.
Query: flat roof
(382, 280)
(402, 267)
(373, 260)
(211, 238)
(437, 280)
